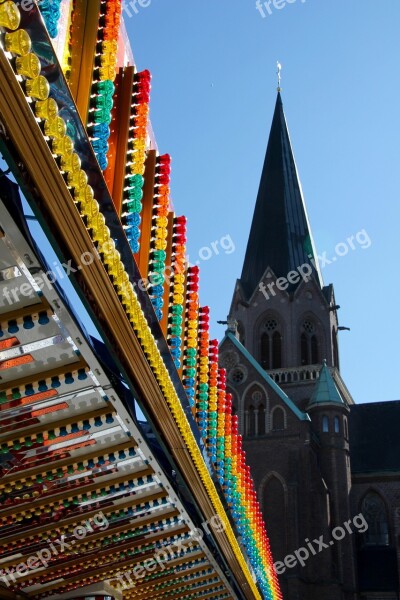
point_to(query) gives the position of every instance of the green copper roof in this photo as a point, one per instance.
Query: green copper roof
(325, 391)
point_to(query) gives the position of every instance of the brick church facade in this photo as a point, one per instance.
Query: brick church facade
(327, 469)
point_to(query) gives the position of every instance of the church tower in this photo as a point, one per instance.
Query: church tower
(282, 360)
(287, 318)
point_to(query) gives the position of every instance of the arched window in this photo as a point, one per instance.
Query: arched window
(256, 404)
(276, 350)
(374, 511)
(335, 348)
(278, 419)
(261, 420)
(314, 350)
(271, 345)
(304, 349)
(265, 351)
(309, 346)
(251, 421)
(325, 424)
(337, 425)
(274, 512)
(346, 428)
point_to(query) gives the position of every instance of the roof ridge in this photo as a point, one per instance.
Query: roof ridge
(290, 404)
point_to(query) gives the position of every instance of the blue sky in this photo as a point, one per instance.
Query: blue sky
(214, 87)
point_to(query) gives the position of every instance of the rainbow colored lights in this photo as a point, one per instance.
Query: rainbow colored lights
(133, 192)
(203, 371)
(160, 233)
(191, 334)
(99, 117)
(177, 290)
(187, 330)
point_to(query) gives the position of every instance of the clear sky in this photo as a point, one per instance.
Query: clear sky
(214, 87)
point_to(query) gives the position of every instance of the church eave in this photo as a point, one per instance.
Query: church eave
(270, 382)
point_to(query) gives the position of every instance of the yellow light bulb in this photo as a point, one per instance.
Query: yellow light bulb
(77, 179)
(63, 146)
(18, 42)
(71, 163)
(10, 17)
(46, 109)
(55, 128)
(28, 65)
(85, 195)
(38, 88)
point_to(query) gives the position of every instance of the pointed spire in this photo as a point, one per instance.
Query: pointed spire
(280, 235)
(325, 391)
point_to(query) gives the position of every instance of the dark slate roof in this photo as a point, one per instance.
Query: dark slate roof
(280, 235)
(374, 437)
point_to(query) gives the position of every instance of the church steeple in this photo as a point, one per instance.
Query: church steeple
(280, 236)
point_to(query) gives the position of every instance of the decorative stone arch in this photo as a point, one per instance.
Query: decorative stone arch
(335, 347)
(375, 491)
(269, 344)
(345, 427)
(265, 480)
(278, 505)
(311, 344)
(273, 415)
(259, 404)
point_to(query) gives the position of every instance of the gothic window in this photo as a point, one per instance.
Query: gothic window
(261, 420)
(325, 424)
(374, 511)
(251, 421)
(335, 348)
(346, 428)
(278, 419)
(309, 347)
(314, 350)
(275, 515)
(271, 345)
(304, 349)
(265, 351)
(255, 413)
(337, 425)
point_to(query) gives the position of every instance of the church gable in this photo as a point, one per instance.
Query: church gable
(260, 403)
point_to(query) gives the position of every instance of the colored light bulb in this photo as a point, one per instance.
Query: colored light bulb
(84, 195)
(71, 163)
(38, 88)
(18, 42)
(28, 65)
(46, 109)
(77, 179)
(10, 17)
(134, 206)
(63, 146)
(55, 127)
